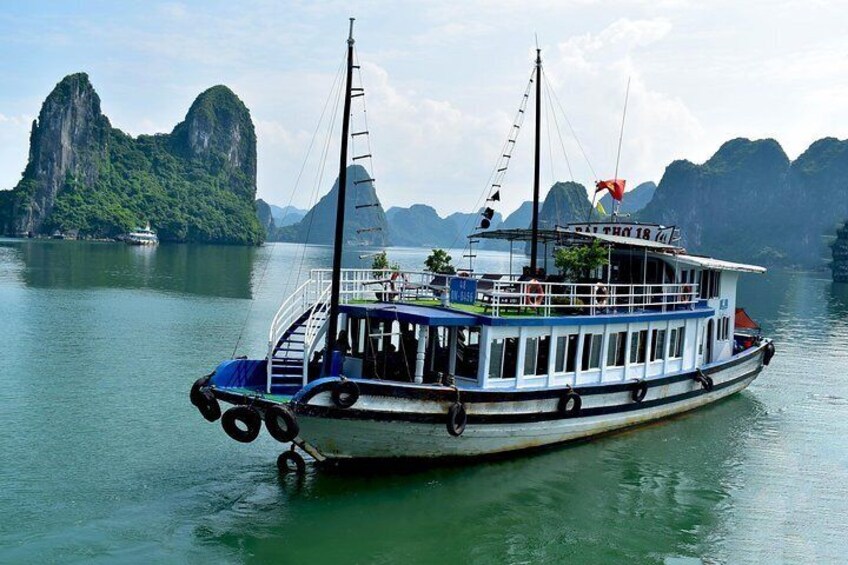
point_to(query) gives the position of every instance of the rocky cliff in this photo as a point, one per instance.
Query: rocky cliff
(565, 202)
(266, 218)
(366, 225)
(197, 183)
(286, 215)
(634, 200)
(420, 226)
(748, 202)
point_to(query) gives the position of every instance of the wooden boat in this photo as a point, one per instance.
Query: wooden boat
(401, 365)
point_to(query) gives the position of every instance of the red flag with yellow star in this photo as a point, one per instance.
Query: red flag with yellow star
(615, 187)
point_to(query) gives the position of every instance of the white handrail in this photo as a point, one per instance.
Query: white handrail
(291, 308)
(286, 314)
(507, 292)
(315, 328)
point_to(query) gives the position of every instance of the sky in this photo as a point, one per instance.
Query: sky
(443, 81)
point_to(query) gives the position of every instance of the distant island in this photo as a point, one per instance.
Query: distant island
(196, 184)
(748, 202)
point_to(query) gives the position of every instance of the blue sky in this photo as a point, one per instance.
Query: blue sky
(443, 80)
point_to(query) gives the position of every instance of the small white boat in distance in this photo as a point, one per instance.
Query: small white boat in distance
(142, 236)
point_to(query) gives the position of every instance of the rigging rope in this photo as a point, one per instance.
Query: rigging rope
(368, 207)
(320, 176)
(252, 301)
(496, 177)
(271, 253)
(621, 137)
(548, 89)
(574, 133)
(548, 109)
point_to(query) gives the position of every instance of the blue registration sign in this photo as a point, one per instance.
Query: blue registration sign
(463, 290)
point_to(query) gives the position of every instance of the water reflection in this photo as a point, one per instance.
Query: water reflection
(206, 270)
(838, 302)
(651, 492)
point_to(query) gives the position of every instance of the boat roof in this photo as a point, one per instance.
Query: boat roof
(718, 264)
(564, 236)
(410, 313)
(519, 234)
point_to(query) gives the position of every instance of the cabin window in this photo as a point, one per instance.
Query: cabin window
(709, 284)
(658, 348)
(675, 346)
(503, 358)
(591, 351)
(496, 359)
(566, 354)
(536, 353)
(615, 351)
(724, 328)
(638, 343)
(467, 351)
(356, 336)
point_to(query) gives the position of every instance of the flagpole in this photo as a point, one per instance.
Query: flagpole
(617, 206)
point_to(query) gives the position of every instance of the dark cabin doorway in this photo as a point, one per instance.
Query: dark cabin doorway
(709, 337)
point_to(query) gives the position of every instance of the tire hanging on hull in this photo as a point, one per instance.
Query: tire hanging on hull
(639, 392)
(208, 406)
(248, 417)
(457, 420)
(705, 380)
(345, 394)
(768, 353)
(291, 461)
(281, 423)
(570, 404)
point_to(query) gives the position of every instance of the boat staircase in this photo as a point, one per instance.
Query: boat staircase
(297, 329)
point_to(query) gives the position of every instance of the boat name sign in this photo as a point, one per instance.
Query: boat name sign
(463, 290)
(661, 234)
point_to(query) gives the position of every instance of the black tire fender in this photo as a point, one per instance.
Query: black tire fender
(570, 404)
(248, 416)
(705, 380)
(208, 406)
(345, 394)
(281, 423)
(457, 419)
(640, 390)
(291, 461)
(768, 353)
(195, 394)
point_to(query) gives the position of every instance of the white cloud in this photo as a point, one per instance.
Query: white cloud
(443, 79)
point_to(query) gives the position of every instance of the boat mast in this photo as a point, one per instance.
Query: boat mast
(535, 242)
(333, 321)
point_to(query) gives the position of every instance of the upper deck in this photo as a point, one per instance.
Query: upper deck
(503, 299)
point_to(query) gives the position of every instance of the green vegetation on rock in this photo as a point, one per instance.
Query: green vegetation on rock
(196, 184)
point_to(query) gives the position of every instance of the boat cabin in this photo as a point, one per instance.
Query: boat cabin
(652, 310)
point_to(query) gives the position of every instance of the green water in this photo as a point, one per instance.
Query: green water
(103, 459)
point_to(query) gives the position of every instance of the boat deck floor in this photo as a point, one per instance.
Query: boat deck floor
(282, 398)
(519, 311)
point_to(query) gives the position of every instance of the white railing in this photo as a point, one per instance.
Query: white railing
(291, 308)
(507, 294)
(315, 322)
(552, 299)
(386, 285)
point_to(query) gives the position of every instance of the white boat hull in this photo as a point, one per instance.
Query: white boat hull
(391, 432)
